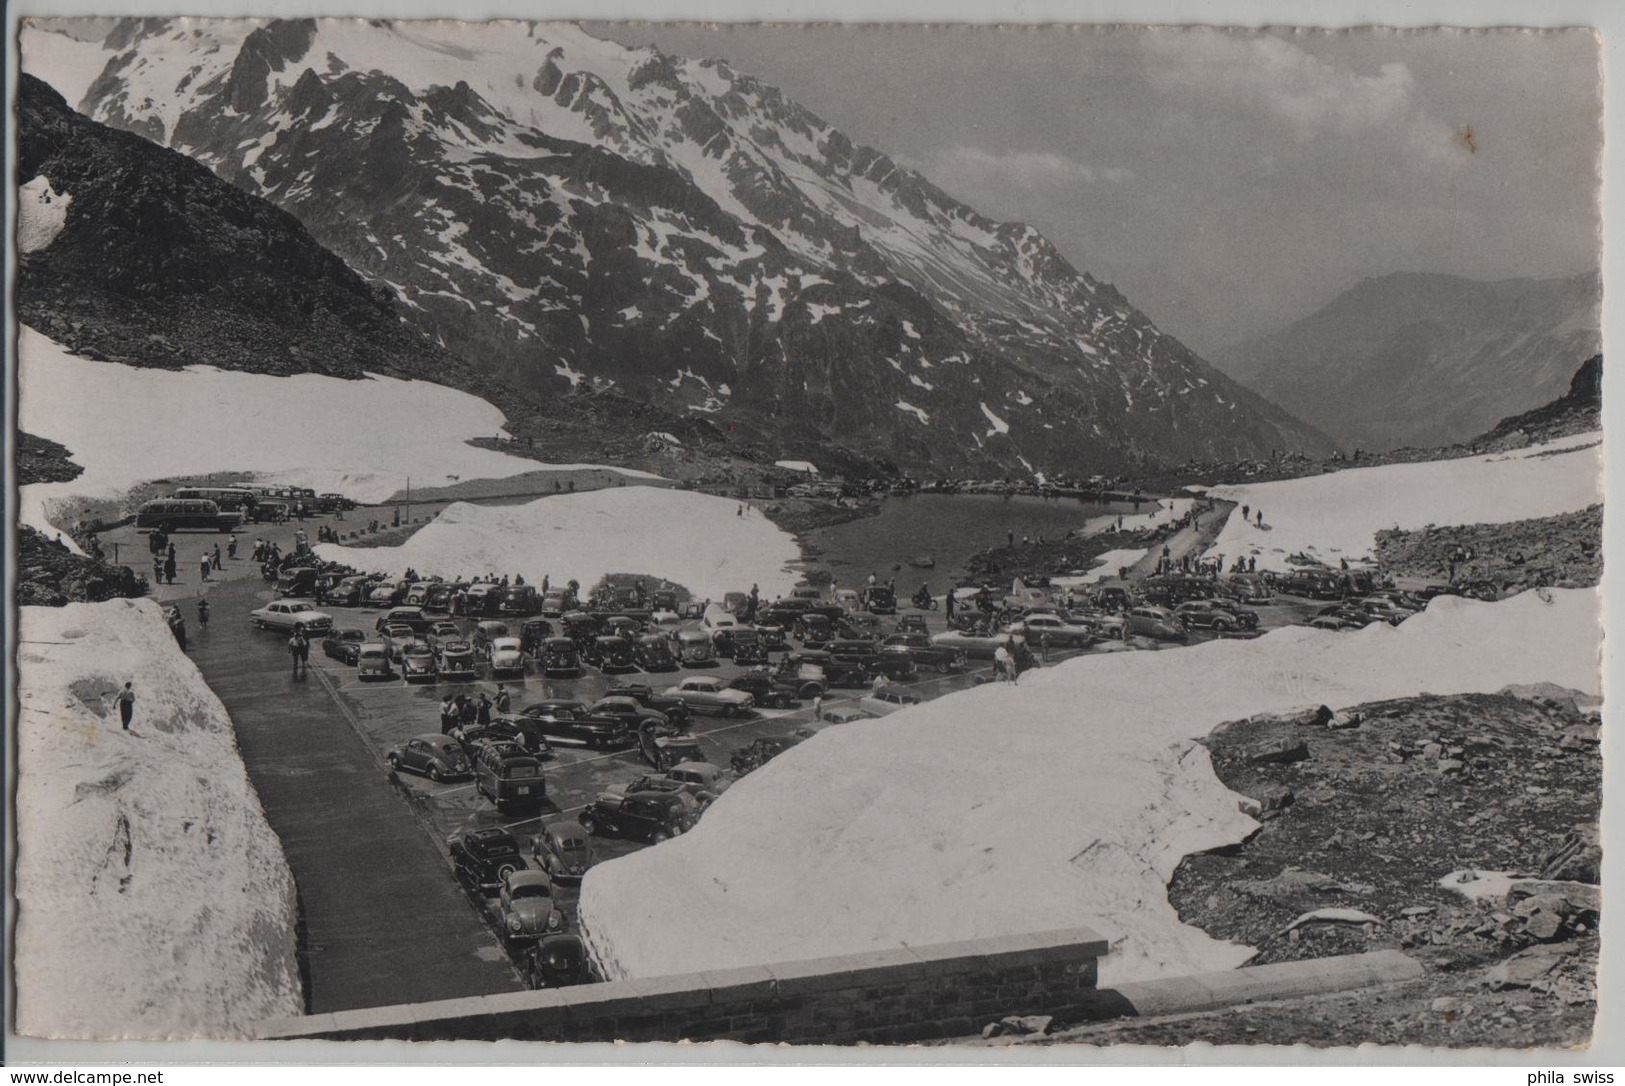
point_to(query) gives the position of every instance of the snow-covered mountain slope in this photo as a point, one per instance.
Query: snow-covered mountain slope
(702, 542)
(1069, 798)
(126, 425)
(1336, 516)
(1426, 360)
(153, 899)
(563, 209)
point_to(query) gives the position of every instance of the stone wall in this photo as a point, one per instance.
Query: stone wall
(892, 996)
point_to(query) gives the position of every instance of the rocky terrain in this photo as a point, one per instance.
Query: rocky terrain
(564, 213)
(49, 575)
(43, 461)
(1556, 552)
(1425, 360)
(1462, 830)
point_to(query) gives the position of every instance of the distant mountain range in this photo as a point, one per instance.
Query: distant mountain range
(1426, 360)
(562, 212)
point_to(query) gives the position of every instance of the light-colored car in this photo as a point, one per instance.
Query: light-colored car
(1052, 630)
(507, 657)
(975, 646)
(886, 702)
(1157, 622)
(292, 616)
(705, 694)
(372, 662)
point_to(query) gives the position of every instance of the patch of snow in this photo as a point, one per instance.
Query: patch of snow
(630, 313)
(662, 435)
(697, 540)
(1161, 512)
(154, 899)
(908, 330)
(918, 412)
(1022, 398)
(127, 425)
(63, 61)
(999, 425)
(1106, 565)
(804, 466)
(1338, 515)
(42, 212)
(1082, 788)
(915, 379)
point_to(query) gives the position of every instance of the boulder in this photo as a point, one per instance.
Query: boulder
(1282, 752)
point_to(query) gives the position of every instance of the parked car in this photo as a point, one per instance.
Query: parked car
(483, 598)
(438, 598)
(1219, 616)
(397, 638)
(762, 750)
(564, 851)
(1053, 630)
(748, 647)
(417, 663)
(674, 708)
(436, 756)
(774, 638)
(558, 960)
(504, 729)
(886, 702)
(700, 779)
(456, 661)
(483, 858)
(487, 631)
(1248, 588)
(880, 599)
(1157, 622)
(560, 658)
(348, 592)
(642, 816)
(292, 616)
(943, 659)
(664, 747)
(772, 692)
(831, 671)
(629, 709)
(1311, 584)
(568, 723)
(525, 909)
(973, 646)
(1113, 598)
(652, 652)
(533, 635)
(813, 630)
(1379, 607)
(520, 600)
(556, 601)
(372, 661)
(609, 652)
(506, 658)
(343, 645)
(443, 630)
(694, 647)
(384, 594)
(706, 694)
(508, 775)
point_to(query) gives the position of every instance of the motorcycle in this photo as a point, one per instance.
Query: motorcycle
(924, 601)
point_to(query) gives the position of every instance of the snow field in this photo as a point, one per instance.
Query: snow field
(154, 901)
(697, 540)
(42, 212)
(1068, 799)
(1163, 511)
(1339, 515)
(1106, 566)
(126, 425)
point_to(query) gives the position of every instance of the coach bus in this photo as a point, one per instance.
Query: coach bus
(230, 499)
(180, 514)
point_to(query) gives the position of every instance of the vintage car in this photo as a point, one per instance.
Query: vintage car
(761, 750)
(664, 747)
(663, 599)
(1113, 598)
(1339, 618)
(774, 693)
(372, 661)
(483, 858)
(344, 645)
(556, 601)
(912, 624)
(483, 598)
(885, 702)
(653, 652)
(418, 594)
(487, 631)
(436, 756)
(456, 661)
(847, 599)
(557, 961)
(564, 851)
(629, 709)
(702, 780)
(525, 910)
(560, 658)
(533, 634)
(443, 630)
(292, 616)
(774, 637)
(879, 599)
(580, 625)
(863, 653)
(1155, 622)
(827, 669)
(506, 658)
(508, 775)
(1314, 584)
(974, 646)
(748, 647)
(297, 581)
(1220, 616)
(674, 708)
(349, 591)
(1247, 588)
(609, 652)
(813, 629)
(694, 646)
(504, 729)
(1053, 630)
(641, 816)
(720, 625)
(397, 638)
(569, 723)
(1380, 607)
(384, 594)
(520, 600)
(417, 663)
(942, 659)
(705, 694)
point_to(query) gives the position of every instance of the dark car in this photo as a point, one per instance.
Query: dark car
(1248, 588)
(299, 581)
(609, 652)
(348, 592)
(560, 658)
(814, 629)
(1216, 615)
(433, 755)
(641, 816)
(762, 750)
(533, 635)
(1311, 584)
(417, 663)
(564, 851)
(1113, 599)
(675, 709)
(520, 600)
(569, 723)
(862, 653)
(1155, 622)
(665, 747)
(772, 692)
(344, 645)
(557, 961)
(629, 709)
(483, 858)
(939, 658)
(748, 647)
(508, 775)
(652, 652)
(880, 600)
(504, 729)
(848, 673)
(773, 636)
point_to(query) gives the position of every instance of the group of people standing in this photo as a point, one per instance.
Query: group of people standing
(461, 711)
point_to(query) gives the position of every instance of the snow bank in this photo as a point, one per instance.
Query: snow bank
(1339, 515)
(1106, 565)
(697, 540)
(1068, 799)
(153, 899)
(1165, 510)
(128, 425)
(42, 212)
(806, 467)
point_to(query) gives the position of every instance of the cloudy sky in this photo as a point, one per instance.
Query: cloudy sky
(1227, 183)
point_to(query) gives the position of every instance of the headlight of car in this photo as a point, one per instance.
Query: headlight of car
(514, 924)
(554, 919)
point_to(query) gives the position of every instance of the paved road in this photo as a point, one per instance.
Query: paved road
(384, 920)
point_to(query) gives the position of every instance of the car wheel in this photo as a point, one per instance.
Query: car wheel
(1221, 626)
(945, 667)
(590, 824)
(505, 870)
(434, 773)
(393, 762)
(658, 836)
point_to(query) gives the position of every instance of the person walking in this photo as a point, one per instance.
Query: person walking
(157, 569)
(203, 615)
(818, 707)
(203, 566)
(1001, 664)
(948, 603)
(483, 711)
(126, 705)
(448, 715)
(293, 652)
(169, 566)
(214, 557)
(1261, 518)
(504, 703)
(231, 547)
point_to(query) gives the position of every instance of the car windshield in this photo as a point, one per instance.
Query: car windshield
(529, 890)
(521, 772)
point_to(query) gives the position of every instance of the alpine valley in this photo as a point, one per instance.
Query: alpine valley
(564, 213)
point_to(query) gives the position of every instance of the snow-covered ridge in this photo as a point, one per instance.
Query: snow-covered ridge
(1336, 516)
(1067, 799)
(126, 425)
(700, 541)
(154, 901)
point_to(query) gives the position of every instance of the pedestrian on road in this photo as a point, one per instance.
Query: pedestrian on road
(448, 715)
(818, 707)
(126, 705)
(231, 547)
(1246, 512)
(483, 712)
(214, 556)
(203, 615)
(293, 652)
(157, 569)
(948, 604)
(204, 566)
(169, 566)
(504, 702)
(1261, 518)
